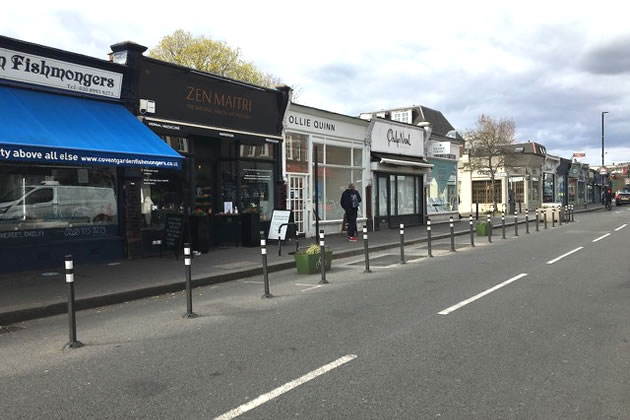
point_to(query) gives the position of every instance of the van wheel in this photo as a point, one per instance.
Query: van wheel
(102, 218)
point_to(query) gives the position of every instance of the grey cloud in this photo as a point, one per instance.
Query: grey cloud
(610, 58)
(335, 73)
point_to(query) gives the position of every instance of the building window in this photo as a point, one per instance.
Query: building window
(339, 165)
(482, 193)
(297, 159)
(402, 116)
(40, 197)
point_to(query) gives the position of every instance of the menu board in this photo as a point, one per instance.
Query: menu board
(279, 218)
(173, 232)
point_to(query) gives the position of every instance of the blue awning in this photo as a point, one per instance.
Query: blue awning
(48, 128)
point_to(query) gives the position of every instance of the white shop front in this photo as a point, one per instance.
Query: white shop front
(339, 142)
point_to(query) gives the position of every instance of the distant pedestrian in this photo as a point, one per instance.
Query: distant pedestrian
(350, 200)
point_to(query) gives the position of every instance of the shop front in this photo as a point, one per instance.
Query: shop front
(67, 144)
(441, 181)
(562, 183)
(339, 142)
(399, 169)
(230, 134)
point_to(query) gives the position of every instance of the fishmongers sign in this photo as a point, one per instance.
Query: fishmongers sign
(29, 68)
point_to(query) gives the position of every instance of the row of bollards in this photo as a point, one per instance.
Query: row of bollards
(568, 216)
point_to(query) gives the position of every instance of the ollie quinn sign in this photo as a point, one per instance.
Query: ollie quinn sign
(37, 70)
(397, 139)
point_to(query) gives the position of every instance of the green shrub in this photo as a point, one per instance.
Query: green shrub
(312, 250)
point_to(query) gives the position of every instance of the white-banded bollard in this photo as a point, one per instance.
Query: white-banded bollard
(429, 252)
(402, 244)
(503, 224)
(452, 229)
(263, 253)
(489, 228)
(472, 230)
(526, 220)
(322, 256)
(73, 343)
(537, 222)
(572, 213)
(366, 249)
(566, 214)
(553, 217)
(515, 223)
(188, 269)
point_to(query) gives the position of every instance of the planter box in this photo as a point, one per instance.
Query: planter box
(309, 264)
(482, 228)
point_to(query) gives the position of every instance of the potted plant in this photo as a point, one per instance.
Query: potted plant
(308, 262)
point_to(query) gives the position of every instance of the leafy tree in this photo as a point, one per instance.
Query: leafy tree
(486, 147)
(204, 54)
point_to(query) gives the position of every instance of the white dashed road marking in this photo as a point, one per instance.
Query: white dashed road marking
(285, 388)
(621, 227)
(601, 237)
(565, 255)
(480, 295)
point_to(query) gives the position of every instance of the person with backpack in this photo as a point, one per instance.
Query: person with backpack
(350, 200)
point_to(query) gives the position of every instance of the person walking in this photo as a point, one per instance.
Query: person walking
(350, 200)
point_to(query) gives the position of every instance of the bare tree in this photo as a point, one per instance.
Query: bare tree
(486, 146)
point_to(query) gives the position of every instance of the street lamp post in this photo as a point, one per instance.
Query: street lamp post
(601, 175)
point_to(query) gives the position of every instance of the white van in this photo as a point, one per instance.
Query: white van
(53, 202)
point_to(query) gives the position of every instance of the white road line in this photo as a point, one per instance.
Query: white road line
(285, 388)
(480, 295)
(317, 286)
(601, 237)
(564, 255)
(252, 281)
(621, 227)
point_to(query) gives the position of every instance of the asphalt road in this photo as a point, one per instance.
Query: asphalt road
(496, 331)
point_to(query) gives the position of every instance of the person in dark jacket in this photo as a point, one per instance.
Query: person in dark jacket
(350, 200)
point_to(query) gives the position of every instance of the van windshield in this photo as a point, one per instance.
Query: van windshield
(15, 194)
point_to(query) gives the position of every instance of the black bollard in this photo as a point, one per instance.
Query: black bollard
(560, 216)
(526, 220)
(489, 228)
(503, 225)
(477, 211)
(187, 268)
(472, 230)
(366, 249)
(537, 222)
(545, 218)
(452, 227)
(572, 213)
(263, 253)
(430, 254)
(553, 217)
(515, 223)
(402, 244)
(73, 343)
(322, 257)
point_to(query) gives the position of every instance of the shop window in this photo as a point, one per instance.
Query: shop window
(161, 193)
(548, 188)
(337, 180)
(482, 191)
(441, 194)
(257, 188)
(383, 196)
(178, 143)
(336, 155)
(296, 147)
(357, 157)
(320, 151)
(405, 191)
(535, 190)
(40, 197)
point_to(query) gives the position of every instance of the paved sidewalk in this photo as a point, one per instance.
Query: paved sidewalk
(28, 295)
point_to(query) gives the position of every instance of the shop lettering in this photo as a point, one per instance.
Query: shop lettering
(206, 96)
(40, 67)
(307, 122)
(393, 136)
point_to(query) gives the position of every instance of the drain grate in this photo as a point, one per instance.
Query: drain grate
(9, 329)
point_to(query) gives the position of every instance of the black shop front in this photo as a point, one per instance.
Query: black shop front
(230, 134)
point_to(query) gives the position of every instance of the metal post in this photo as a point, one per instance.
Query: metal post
(322, 257)
(537, 222)
(553, 217)
(316, 185)
(526, 220)
(560, 216)
(73, 343)
(489, 228)
(515, 223)
(366, 249)
(402, 243)
(452, 227)
(477, 211)
(187, 265)
(472, 233)
(263, 253)
(545, 213)
(572, 213)
(430, 254)
(503, 225)
(567, 217)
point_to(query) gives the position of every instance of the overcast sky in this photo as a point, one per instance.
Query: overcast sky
(552, 68)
